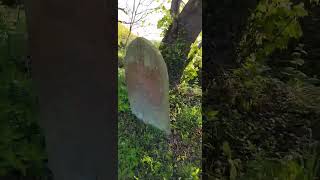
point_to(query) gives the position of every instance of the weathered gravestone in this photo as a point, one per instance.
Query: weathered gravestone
(148, 84)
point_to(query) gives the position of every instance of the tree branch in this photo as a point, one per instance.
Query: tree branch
(123, 10)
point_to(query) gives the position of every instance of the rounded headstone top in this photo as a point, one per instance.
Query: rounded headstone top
(148, 83)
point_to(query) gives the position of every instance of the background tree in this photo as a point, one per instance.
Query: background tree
(182, 32)
(11, 3)
(225, 22)
(252, 93)
(175, 7)
(136, 14)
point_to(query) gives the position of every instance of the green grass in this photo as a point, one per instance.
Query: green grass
(145, 152)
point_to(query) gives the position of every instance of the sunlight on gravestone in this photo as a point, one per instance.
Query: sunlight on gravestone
(148, 83)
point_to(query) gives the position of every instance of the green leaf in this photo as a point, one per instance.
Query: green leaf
(299, 10)
(297, 61)
(226, 149)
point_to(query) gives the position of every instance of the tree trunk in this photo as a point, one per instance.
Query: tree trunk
(224, 22)
(181, 34)
(73, 51)
(175, 6)
(311, 37)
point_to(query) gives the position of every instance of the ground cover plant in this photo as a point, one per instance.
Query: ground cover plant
(261, 115)
(146, 152)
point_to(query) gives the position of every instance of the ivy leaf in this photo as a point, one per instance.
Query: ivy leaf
(313, 80)
(299, 9)
(211, 114)
(226, 149)
(296, 54)
(262, 7)
(297, 61)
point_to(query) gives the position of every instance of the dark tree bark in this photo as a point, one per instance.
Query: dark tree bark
(224, 22)
(181, 34)
(73, 51)
(175, 6)
(11, 3)
(311, 38)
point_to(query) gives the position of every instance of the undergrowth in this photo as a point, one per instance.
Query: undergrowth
(147, 153)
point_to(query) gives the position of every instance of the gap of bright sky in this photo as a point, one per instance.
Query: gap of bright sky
(149, 30)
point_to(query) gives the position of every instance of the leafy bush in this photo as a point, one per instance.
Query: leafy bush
(123, 35)
(165, 21)
(21, 142)
(255, 116)
(192, 70)
(265, 112)
(123, 101)
(291, 168)
(146, 153)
